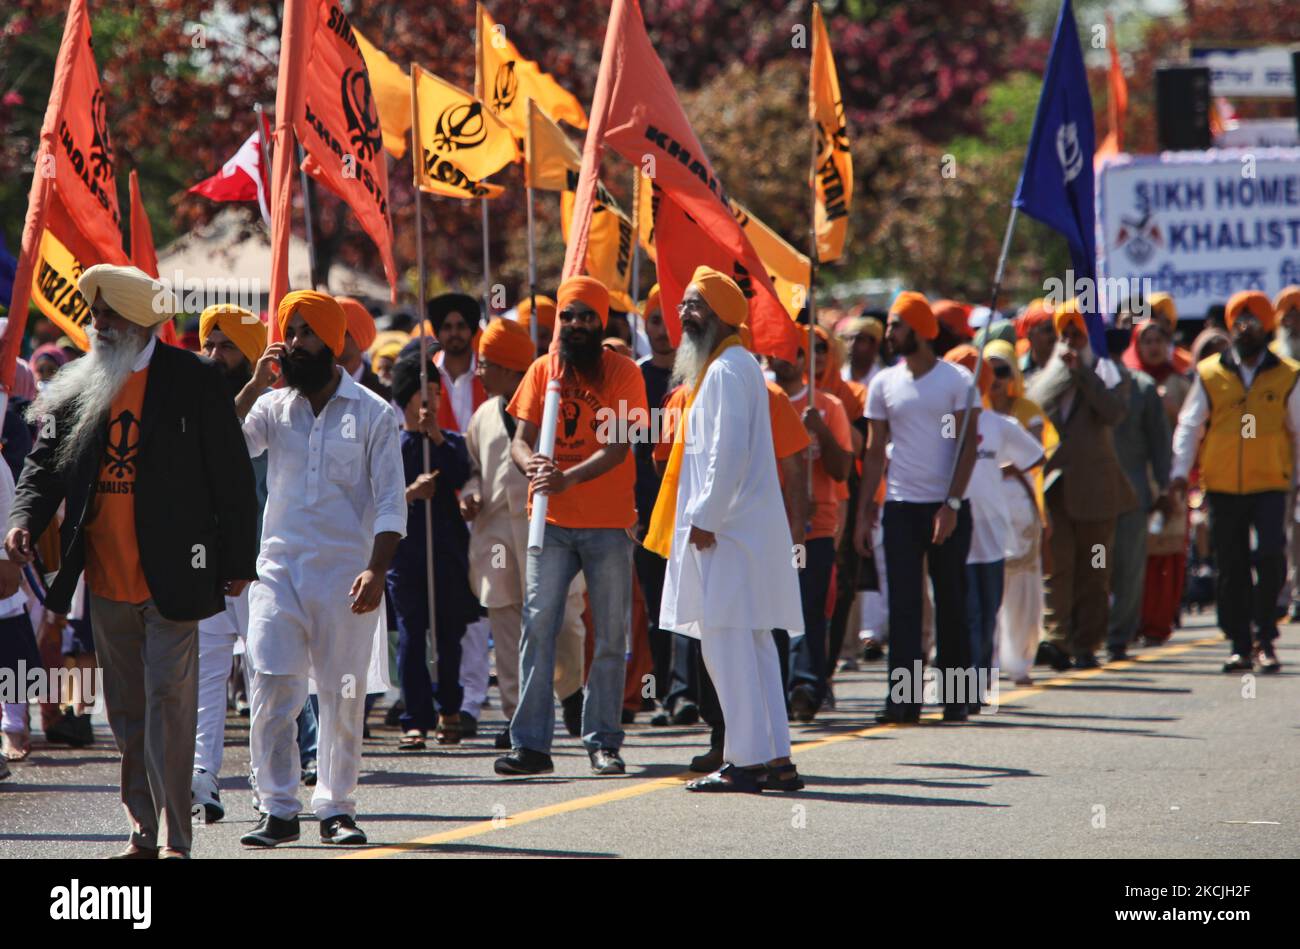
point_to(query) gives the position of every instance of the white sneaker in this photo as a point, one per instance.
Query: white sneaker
(206, 799)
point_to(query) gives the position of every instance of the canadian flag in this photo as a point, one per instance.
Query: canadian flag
(242, 178)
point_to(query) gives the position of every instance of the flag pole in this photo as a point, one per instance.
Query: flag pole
(422, 291)
(533, 328)
(263, 152)
(636, 254)
(487, 266)
(811, 303)
(307, 217)
(979, 358)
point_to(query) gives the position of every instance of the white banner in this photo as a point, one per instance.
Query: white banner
(1248, 73)
(1260, 133)
(1201, 225)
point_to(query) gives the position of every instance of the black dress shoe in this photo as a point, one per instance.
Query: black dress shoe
(730, 779)
(891, 715)
(393, 717)
(661, 720)
(629, 717)
(270, 831)
(606, 761)
(686, 713)
(803, 703)
(502, 741)
(342, 831)
(524, 761)
(1117, 654)
(572, 707)
(74, 730)
(1237, 663)
(1050, 654)
(1267, 658)
(873, 652)
(955, 713)
(136, 852)
(468, 725)
(1086, 661)
(708, 762)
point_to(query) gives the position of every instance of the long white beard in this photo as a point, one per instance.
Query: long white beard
(692, 355)
(83, 390)
(1290, 345)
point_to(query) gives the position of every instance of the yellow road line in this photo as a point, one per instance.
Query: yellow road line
(630, 791)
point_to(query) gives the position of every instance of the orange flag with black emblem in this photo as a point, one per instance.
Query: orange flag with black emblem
(73, 196)
(324, 99)
(636, 112)
(549, 154)
(459, 142)
(392, 90)
(609, 245)
(832, 178)
(505, 82)
(54, 290)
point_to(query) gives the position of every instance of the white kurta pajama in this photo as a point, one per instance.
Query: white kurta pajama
(334, 482)
(733, 594)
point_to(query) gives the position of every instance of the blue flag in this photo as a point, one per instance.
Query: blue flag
(1056, 183)
(8, 268)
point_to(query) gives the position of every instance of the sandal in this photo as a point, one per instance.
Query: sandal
(730, 779)
(783, 778)
(449, 731)
(412, 740)
(17, 746)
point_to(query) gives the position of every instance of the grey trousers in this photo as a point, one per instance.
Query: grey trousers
(1127, 577)
(151, 695)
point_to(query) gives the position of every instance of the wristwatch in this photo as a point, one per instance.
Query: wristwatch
(954, 503)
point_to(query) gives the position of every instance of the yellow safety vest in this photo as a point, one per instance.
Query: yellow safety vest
(1247, 446)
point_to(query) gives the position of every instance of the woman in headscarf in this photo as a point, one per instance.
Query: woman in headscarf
(46, 361)
(1020, 620)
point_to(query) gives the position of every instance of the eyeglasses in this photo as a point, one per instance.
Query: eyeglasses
(1002, 372)
(691, 306)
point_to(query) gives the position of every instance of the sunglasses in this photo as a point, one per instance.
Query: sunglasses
(1002, 372)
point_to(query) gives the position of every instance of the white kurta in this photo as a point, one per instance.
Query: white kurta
(728, 485)
(334, 481)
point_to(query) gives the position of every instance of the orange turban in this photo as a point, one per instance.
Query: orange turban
(322, 313)
(586, 290)
(1162, 306)
(651, 301)
(967, 355)
(1288, 299)
(954, 315)
(720, 292)
(545, 312)
(506, 344)
(1068, 313)
(1257, 303)
(914, 310)
(1036, 314)
(243, 327)
(361, 325)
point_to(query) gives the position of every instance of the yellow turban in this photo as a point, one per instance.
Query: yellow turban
(242, 326)
(361, 325)
(586, 290)
(131, 292)
(322, 313)
(721, 294)
(507, 344)
(1068, 313)
(1001, 349)
(545, 312)
(651, 301)
(1256, 303)
(1288, 299)
(1162, 305)
(853, 326)
(386, 349)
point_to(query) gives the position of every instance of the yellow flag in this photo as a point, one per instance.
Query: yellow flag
(506, 81)
(833, 175)
(460, 141)
(790, 270)
(54, 289)
(647, 202)
(609, 246)
(549, 154)
(392, 91)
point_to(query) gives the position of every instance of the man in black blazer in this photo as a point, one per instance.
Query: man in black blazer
(140, 440)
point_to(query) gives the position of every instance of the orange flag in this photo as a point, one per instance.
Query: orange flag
(458, 141)
(833, 173)
(1116, 101)
(636, 113)
(392, 93)
(74, 190)
(143, 254)
(324, 99)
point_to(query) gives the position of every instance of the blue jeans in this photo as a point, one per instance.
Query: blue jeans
(983, 600)
(604, 555)
(809, 661)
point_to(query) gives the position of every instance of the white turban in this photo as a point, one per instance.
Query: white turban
(130, 291)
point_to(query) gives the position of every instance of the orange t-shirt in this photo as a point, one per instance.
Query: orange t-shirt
(789, 437)
(619, 402)
(113, 568)
(827, 493)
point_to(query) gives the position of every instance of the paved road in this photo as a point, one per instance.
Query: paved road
(1164, 756)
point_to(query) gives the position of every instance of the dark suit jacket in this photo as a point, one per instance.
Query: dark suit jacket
(193, 485)
(1085, 464)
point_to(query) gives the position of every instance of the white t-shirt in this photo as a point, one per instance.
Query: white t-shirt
(1002, 441)
(924, 440)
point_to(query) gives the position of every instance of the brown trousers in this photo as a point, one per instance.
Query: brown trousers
(1078, 579)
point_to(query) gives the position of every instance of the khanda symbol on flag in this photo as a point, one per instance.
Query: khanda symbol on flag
(504, 87)
(101, 146)
(362, 114)
(460, 125)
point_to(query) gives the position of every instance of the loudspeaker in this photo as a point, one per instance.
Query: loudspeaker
(1183, 108)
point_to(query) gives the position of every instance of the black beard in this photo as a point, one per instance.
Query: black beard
(909, 345)
(584, 356)
(308, 373)
(235, 379)
(1248, 347)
